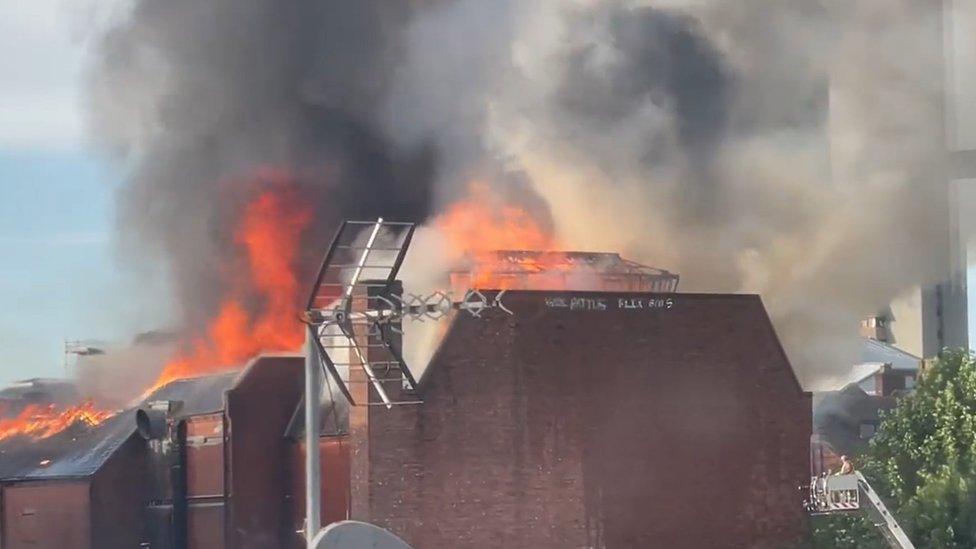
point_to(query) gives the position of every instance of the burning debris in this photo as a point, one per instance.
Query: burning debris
(580, 271)
(37, 421)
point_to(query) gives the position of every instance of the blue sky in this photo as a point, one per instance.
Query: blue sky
(58, 268)
(59, 274)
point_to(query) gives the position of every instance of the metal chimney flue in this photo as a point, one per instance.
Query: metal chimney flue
(152, 420)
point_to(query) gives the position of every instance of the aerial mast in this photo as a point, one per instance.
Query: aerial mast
(351, 315)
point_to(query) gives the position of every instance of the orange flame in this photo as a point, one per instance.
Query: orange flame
(269, 233)
(42, 421)
(479, 226)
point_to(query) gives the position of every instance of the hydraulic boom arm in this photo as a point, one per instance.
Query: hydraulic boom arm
(880, 516)
(837, 494)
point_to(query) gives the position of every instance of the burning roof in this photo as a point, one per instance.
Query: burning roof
(77, 451)
(559, 270)
(80, 449)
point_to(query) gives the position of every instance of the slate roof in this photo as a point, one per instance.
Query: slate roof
(878, 352)
(79, 452)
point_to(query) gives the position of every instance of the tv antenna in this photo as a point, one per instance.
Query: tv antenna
(355, 308)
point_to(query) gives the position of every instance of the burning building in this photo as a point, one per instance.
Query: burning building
(606, 414)
(206, 462)
(244, 134)
(79, 488)
(584, 403)
(537, 270)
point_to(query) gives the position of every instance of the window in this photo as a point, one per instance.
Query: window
(910, 382)
(868, 428)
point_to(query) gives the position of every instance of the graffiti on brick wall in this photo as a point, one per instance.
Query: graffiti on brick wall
(605, 304)
(645, 303)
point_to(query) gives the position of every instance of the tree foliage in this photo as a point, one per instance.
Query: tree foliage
(922, 462)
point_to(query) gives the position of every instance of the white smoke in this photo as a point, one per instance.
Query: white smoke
(794, 150)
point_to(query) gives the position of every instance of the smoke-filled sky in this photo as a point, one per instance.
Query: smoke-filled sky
(791, 148)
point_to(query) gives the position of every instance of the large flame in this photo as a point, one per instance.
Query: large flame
(269, 234)
(42, 421)
(480, 223)
(258, 313)
(481, 226)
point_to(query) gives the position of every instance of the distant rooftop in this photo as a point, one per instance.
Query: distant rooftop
(878, 352)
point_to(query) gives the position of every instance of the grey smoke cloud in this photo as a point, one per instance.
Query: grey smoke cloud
(821, 184)
(789, 148)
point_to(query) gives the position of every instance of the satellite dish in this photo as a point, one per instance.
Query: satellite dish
(351, 534)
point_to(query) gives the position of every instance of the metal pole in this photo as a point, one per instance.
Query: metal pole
(313, 471)
(362, 259)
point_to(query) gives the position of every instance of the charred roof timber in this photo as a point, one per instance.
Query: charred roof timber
(560, 270)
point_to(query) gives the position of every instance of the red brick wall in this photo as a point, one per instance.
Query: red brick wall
(609, 421)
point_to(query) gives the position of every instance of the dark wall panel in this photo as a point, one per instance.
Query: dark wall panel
(258, 410)
(47, 515)
(205, 526)
(119, 496)
(335, 484)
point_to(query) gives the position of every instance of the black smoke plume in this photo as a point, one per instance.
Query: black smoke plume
(196, 97)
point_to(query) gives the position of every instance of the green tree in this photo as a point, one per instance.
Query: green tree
(922, 463)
